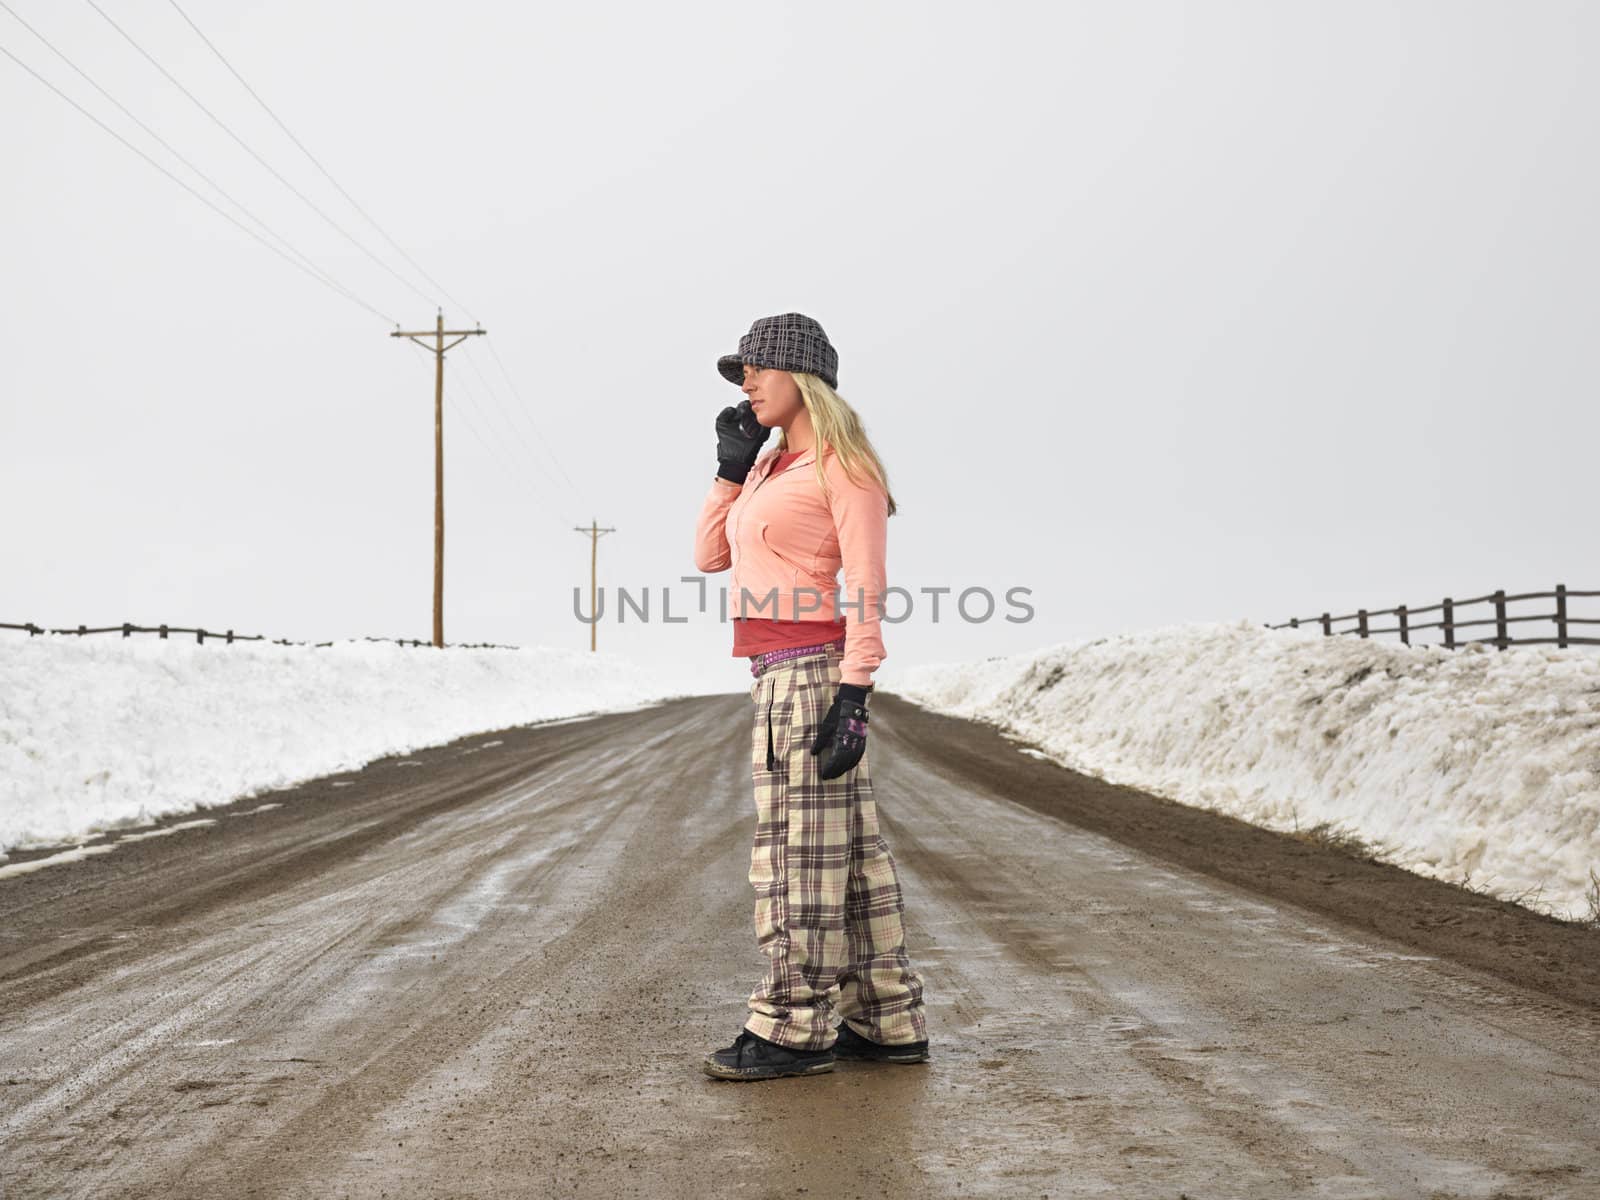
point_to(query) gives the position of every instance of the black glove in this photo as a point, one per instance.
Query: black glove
(739, 440)
(843, 732)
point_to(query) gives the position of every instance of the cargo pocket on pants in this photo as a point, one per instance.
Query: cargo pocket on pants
(771, 728)
(769, 857)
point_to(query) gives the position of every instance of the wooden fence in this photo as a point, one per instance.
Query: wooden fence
(1502, 620)
(229, 636)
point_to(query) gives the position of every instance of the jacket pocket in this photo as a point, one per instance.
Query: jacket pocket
(798, 568)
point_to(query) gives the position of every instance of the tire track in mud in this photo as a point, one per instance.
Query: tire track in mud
(1167, 1075)
(1558, 960)
(365, 820)
(318, 918)
(494, 973)
(499, 989)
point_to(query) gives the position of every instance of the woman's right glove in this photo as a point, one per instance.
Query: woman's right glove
(739, 440)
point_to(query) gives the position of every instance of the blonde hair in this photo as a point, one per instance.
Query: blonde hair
(836, 425)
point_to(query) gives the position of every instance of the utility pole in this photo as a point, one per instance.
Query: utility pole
(594, 531)
(438, 335)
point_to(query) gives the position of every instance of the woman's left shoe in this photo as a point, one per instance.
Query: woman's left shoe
(752, 1057)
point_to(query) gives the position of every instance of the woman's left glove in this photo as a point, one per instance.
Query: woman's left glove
(843, 732)
(739, 440)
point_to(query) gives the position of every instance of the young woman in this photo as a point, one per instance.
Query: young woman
(828, 903)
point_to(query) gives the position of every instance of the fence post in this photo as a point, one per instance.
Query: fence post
(1561, 615)
(1500, 619)
(230, 637)
(127, 629)
(1327, 625)
(1449, 624)
(163, 631)
(1405, 626)
(200, 636)
(1361, 618)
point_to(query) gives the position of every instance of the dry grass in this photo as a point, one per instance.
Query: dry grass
(1591, 897)
(1345, 841)
(1531, 898)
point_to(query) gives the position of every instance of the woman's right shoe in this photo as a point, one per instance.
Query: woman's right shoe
(852, 1045)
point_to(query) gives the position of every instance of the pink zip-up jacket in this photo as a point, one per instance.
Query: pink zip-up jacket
(786, 543)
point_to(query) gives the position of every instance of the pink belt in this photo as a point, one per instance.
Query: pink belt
(760, 662)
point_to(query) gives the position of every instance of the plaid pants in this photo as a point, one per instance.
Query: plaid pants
(828, 903)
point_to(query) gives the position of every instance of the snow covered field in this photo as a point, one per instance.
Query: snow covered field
(103, 733)
(1473, 765)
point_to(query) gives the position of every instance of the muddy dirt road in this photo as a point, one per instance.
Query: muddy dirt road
(491, 969)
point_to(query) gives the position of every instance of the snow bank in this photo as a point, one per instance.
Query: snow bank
(102, 733)
(1475, 765)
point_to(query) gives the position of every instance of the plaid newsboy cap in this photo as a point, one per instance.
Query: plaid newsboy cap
(789, 342)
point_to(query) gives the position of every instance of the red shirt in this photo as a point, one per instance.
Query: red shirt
(756, 635)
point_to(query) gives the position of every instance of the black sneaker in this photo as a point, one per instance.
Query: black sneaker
(753, 1057)
(852, 1045)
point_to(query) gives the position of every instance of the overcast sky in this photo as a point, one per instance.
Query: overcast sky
(1166, 312)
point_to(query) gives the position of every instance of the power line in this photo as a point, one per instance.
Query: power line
(521, 405)
(516, 480)
(172, 150)
(337, 288)
(545, 499)
(507, 409)
(502, 407)
(526, 410)
(305, 263)
(326, 174)
(269, 167)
